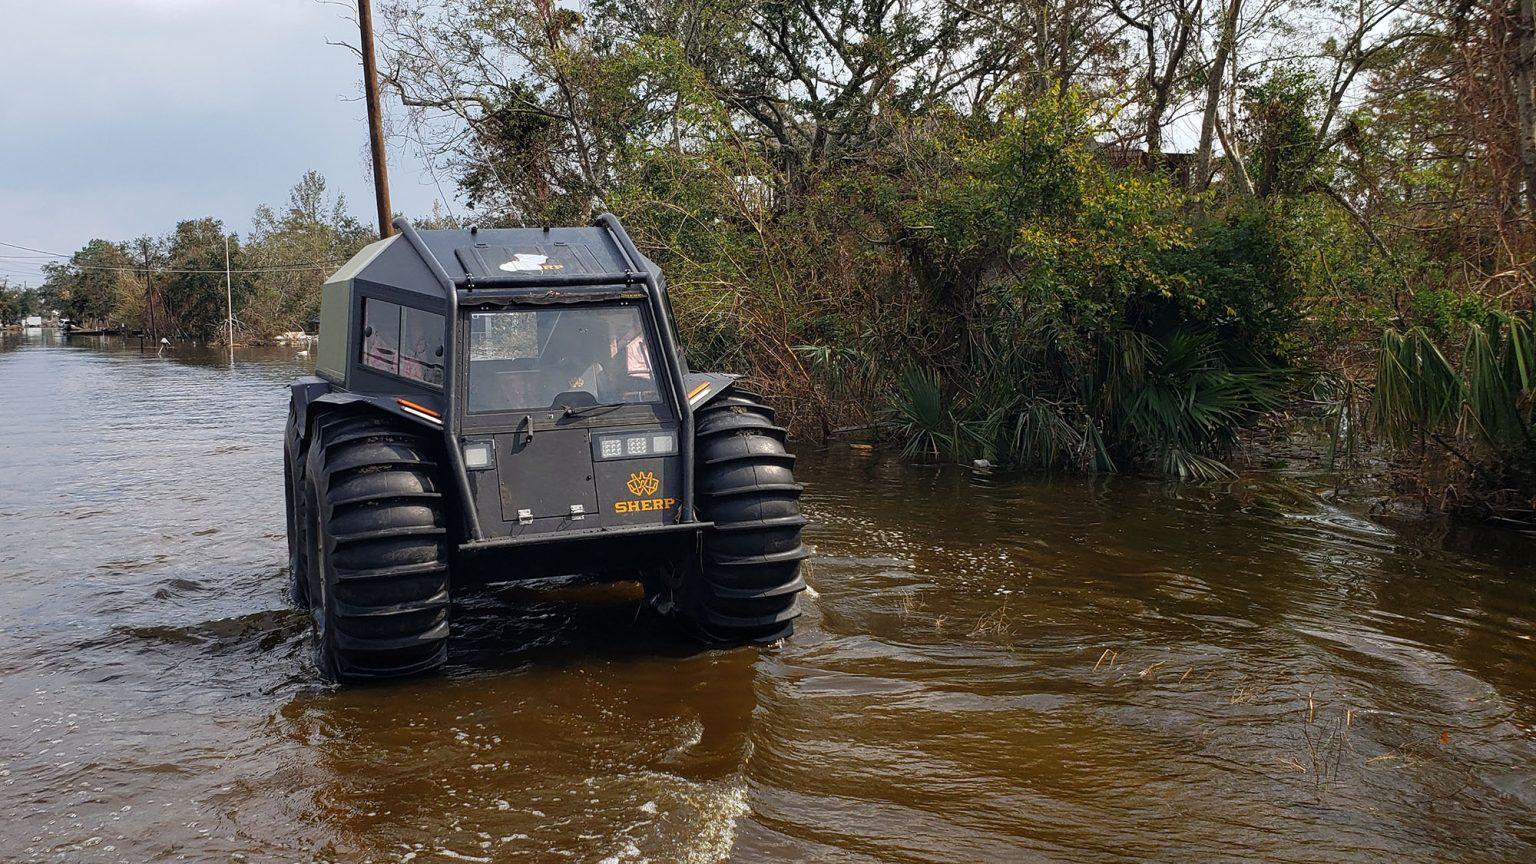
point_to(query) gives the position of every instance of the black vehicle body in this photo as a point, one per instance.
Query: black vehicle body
(588, 483)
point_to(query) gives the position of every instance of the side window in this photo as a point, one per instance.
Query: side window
(421, 346)
(381, 336)
(403, 341)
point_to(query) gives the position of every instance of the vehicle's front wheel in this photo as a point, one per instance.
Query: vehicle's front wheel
(378, 549)
(746, 587)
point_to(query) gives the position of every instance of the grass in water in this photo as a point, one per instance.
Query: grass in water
(994, 624)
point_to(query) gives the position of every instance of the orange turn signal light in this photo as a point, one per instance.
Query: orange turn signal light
(406, 403)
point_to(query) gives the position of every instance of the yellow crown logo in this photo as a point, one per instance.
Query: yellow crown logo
(643, 483)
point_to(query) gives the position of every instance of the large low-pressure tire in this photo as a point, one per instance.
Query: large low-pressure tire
(293, 487)
(378, 549)
(747, 586)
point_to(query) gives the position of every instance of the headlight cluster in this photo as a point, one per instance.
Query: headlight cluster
(629, 445)
(480, 455)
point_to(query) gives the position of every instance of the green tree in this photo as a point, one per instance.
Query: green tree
(1280, 131)
(89, 285)
(193, 288)
(292, 251)
(10, 304)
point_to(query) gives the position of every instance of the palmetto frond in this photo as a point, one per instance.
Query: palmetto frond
(1489, 400)
(1175, 400)
(919, 416)
(1416, 387)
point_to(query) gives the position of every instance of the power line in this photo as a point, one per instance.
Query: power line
(319, 265)
(30, 249)
(313, 265)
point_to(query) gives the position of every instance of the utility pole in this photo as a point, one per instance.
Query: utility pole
(375, 124)
(229, 303)
(149, 289)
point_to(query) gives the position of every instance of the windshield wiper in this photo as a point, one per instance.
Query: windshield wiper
(572, 411)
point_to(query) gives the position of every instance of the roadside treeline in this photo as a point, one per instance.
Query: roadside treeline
(1091, 233)
(174, 285)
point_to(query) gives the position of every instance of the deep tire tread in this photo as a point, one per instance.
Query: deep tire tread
(347, 610)
(727, 423)
(430, 663)
(793, 586)
(430, 638)
(374, 499)
(390, 572)
(747, 587)
(788, 556)
(386, 559)
(388, 533)
(795, 521)
(755, 489)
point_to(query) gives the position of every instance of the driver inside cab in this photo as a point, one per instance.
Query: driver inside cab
(571, 362)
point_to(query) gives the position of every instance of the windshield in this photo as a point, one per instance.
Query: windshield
(554, 357)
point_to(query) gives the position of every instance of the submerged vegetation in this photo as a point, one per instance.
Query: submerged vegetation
(1467, 426)
(1073, 234)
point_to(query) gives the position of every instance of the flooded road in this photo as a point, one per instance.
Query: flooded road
(1032, 670)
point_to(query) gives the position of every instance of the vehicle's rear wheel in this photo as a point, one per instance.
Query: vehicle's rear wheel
(298, 539)
(378, 549)
(747, 586)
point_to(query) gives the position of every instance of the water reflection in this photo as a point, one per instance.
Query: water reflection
(607, 739)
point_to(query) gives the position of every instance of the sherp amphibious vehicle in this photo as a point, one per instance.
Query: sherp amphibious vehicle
(500, 404)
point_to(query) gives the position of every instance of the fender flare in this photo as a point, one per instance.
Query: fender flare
(314, 397)
(703, 388)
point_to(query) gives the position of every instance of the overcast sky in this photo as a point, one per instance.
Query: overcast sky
(120, 117)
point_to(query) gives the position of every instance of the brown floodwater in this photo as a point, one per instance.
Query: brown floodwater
(1026, 669)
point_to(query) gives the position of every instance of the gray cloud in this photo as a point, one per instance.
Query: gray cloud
(120, 117)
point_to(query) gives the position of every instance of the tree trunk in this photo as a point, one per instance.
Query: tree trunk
(1040, 75)
(1224, 47)
(1525, 62)
(1235, 160)
(1165, 85)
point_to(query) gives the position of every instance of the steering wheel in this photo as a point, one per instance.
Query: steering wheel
(573, 399)
(631, 386)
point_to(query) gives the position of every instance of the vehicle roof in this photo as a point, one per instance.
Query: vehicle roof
(511, 257)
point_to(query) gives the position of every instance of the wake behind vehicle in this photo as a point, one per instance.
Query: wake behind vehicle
(516, 400)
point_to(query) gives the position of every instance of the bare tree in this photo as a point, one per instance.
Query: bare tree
(1525, 90)
(1167, 29)
(1366, 31)
(1226, 40)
